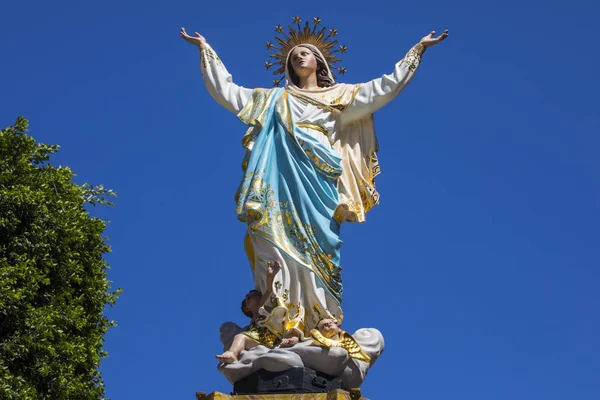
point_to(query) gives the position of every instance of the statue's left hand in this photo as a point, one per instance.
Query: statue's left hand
(429, 40)
(196, 40)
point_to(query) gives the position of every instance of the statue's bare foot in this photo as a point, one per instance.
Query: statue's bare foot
(227, 358)
(289, 342)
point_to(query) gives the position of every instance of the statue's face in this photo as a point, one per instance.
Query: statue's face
(303, 61)
(328, 328)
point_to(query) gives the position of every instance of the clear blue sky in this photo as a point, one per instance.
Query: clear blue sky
(481, 266)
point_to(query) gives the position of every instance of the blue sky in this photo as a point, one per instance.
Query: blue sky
(480, 266)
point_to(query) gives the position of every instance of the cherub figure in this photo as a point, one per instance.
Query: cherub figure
(329, 334)
(255, 335)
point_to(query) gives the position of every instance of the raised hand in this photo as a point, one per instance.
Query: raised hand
(273, 267)
(429, 40)
(196, 40)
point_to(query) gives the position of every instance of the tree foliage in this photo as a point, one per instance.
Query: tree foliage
(53, 284)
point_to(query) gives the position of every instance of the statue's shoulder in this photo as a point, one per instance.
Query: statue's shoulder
(342, 95)
(257, 104)
(266, 92)
(261, 96)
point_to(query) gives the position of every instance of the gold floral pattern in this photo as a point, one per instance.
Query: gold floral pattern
(345, 341)
(413, 57)
(207, 54)
(314, 102)
(280, 223)
(283, 113)
(255, 108)
(261, 335)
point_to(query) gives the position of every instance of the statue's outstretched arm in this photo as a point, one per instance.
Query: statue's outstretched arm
(216, 77)
(375, 94)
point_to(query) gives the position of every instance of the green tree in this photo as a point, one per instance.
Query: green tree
(53, 284)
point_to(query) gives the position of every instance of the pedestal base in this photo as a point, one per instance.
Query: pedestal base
(335, 361)
(293, 380)
(339, 394)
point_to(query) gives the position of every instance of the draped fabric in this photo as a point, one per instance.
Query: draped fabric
(287, 199)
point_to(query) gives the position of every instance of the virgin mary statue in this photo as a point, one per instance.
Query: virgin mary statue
(310, 165)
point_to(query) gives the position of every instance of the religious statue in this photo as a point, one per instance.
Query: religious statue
(310, 165)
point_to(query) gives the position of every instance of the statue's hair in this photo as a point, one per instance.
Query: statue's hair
(323, 79)
(244, 308)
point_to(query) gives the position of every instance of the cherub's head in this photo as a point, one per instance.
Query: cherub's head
(328, 328)
(250, 304)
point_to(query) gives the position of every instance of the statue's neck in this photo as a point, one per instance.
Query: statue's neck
(308, 82)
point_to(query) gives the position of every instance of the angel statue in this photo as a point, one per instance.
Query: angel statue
(310, 165)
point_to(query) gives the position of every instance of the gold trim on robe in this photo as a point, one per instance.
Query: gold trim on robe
(346, 341)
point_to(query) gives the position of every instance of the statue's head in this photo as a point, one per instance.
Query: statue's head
(250, 304)
(328, 328)
(304, 60)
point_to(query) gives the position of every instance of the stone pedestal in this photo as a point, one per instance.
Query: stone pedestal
(338, 394)
(293, 380)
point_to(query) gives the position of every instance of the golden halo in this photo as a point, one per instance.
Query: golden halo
(318, 36)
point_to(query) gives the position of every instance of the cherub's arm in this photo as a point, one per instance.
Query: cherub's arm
(273, 267)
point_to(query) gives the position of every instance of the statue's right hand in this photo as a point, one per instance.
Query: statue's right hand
(196, 40)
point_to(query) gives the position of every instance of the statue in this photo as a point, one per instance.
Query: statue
(310, 165)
